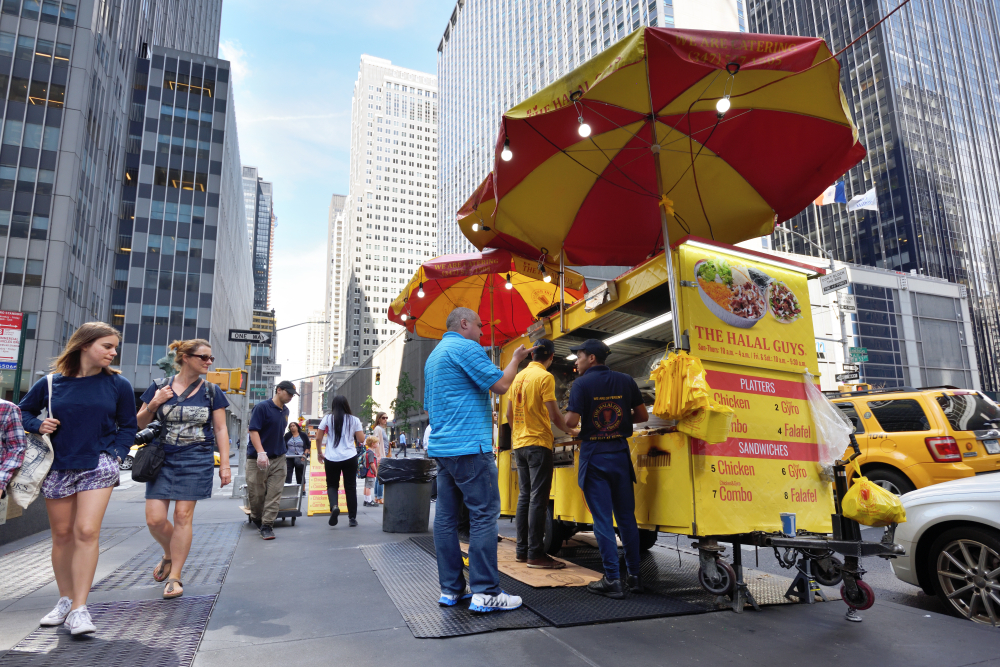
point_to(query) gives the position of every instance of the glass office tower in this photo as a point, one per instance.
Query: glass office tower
(924, 105)
(495, 53)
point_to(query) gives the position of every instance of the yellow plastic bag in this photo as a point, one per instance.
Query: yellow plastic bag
(681, 388)
(710, 424)
(871, 505)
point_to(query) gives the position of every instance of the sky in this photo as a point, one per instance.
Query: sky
(294, 66)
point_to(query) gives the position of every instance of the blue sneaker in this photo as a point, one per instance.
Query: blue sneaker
(450, 599)
(485, 603)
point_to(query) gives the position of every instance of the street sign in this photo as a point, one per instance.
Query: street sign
(858, 354)
(10, 338)
(848, 303)
(245, 336)
(833, 281)
(843, 377)
(850, 368)
(270, 370)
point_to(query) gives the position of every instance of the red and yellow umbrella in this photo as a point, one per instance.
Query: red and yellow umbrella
(504, 289)
(713, 134)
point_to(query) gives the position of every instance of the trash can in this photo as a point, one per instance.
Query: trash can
(407, 501)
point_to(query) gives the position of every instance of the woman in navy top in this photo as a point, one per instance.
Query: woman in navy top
(91, 423)
(192, 413)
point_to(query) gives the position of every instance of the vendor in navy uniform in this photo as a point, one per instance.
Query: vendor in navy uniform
(605, 403)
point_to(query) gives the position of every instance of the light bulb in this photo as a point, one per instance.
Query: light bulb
(505, 154)
(509, 285)
(722, 106)
(403, 317)
(584, 129)
(420, 291)
(475, 226)
(547, 278)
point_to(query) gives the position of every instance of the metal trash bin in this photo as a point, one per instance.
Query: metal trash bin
(407, 501)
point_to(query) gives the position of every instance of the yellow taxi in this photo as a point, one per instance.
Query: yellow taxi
(912, 438)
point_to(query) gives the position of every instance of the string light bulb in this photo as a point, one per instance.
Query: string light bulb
(584, 129)
(420, 291)
(403, 317)
(509, 285)
(475, 226)
(505, 154)
(547, 277)
(722, 106)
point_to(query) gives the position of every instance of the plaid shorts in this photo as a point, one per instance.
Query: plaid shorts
(65, 483)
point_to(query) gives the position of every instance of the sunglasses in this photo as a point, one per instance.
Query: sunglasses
(204, 357)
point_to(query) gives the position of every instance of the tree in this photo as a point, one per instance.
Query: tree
(367, 411)
(404, 404)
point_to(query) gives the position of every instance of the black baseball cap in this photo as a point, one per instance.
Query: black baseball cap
(287, 386)
(594, 347)
(546, 348)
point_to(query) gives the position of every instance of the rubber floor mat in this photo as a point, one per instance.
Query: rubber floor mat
(212, 548)
(409, 575)
(26, 570)
(150, 633)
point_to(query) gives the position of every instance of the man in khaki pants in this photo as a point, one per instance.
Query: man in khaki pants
(266, 473)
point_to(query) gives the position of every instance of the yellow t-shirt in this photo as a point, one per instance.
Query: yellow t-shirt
(531, 389)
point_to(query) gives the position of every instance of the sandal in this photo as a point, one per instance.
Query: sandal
(163, 569)
(170, 592)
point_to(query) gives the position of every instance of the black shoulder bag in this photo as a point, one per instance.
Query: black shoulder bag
(149, 459)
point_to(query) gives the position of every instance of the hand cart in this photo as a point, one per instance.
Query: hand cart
(290, 505)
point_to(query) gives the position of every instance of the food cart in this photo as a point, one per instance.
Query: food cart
(746, 316)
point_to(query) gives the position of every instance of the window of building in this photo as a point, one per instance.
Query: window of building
(162, 313)
(148, 313)
(151, 279)
(33, 273)
(13, 273)
(68, 15)
(19, 224)
(40, 227)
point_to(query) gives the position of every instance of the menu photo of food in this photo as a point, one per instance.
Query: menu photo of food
(741, 295)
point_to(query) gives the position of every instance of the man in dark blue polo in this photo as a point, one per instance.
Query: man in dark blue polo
(266, 472)
(605, 404)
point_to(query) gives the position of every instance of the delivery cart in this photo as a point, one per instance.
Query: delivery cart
(290, 505)
(734, 315)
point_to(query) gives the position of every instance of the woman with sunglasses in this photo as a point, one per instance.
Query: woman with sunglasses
(381, 423)
(192, 414)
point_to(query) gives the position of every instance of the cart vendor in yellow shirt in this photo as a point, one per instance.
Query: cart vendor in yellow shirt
(532, 404)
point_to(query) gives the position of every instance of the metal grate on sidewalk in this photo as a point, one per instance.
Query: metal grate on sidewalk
(26, 570)
(212, 548)
(150, 633)
(409, 575)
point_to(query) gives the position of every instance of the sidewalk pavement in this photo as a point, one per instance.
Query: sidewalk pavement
(310, 597)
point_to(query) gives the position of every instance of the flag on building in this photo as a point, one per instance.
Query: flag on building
(867, 201)
(832, 195)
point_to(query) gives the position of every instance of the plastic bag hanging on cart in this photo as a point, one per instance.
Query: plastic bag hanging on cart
(870, 505)
(833, 431)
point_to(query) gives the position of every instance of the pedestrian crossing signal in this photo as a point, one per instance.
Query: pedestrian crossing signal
(378, 378)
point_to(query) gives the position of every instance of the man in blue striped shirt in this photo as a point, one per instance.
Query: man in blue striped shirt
(458, 379)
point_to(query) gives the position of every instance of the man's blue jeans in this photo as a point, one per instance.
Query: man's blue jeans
(607, 488)
(472, 478)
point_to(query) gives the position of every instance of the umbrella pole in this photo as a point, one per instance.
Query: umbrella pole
(562, 290)
(680, 342)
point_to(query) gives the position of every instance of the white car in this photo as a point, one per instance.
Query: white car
(952, 541)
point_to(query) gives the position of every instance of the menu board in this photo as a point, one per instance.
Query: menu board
(769, 463)
(318, 501)
(740, 311)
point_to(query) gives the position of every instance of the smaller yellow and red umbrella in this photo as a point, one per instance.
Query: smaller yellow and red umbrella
(506, 290)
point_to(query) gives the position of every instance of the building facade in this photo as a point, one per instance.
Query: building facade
(333, 309)
(495, 53)
(390, 219)
(182, 266)
(920, 103)
(258, 203)
(68, 73)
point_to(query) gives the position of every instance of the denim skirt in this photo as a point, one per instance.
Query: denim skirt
(185, 475)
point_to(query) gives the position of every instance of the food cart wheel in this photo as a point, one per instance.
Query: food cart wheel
(726, 585)
(647, 538)
(867, 596)
(828, 571)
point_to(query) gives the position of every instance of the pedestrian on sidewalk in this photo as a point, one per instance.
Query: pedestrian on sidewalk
(458, 380)
(402, 445)
(341, 430)
(371, 469)
(381, 422)
(192, 416)
(94, 432)
(297, 441)
(12, 443)
(531, 406)
(266, 473)
(605, 403)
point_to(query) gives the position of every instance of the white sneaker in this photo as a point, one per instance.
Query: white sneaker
(79, 622)
(450, 600)
(58, 615)
(502, 602)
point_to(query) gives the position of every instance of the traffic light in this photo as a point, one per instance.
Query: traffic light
(378, 378)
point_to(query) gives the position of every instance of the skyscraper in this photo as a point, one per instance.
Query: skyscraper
(390, 219)
(924, 110)
(333, 330)
(495, 53)
(261, 220)
(68, 71)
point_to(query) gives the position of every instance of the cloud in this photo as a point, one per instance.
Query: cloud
(232, 51)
